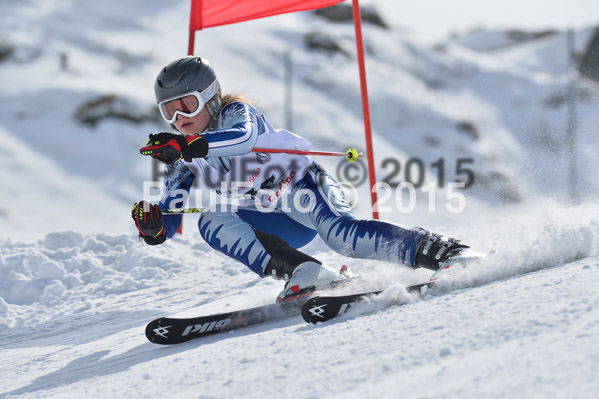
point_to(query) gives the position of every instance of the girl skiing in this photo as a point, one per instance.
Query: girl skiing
(284, 200)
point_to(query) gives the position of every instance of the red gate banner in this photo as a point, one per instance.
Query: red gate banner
(208, 13)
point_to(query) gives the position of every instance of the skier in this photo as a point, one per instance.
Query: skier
(216, 135)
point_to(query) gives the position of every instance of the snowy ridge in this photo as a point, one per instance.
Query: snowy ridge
(503, 109)
(68, 269)
(38, 195)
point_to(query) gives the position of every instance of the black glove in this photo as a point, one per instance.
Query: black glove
(170, 147)
(149, 223)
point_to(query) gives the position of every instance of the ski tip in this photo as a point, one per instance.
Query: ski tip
(306, 312)
(156, 332)
(320, 309)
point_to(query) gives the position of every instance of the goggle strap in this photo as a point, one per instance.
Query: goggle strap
(210, 91)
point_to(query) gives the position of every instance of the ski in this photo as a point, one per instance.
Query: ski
(323, 308)
(168, 331)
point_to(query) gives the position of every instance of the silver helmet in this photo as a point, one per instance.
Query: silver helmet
(187, 75)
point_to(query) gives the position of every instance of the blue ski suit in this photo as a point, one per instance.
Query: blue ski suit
(287, 195)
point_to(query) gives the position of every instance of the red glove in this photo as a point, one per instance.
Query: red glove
(169, 147)
(149, 223)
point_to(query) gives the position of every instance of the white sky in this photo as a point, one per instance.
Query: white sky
(433, 20)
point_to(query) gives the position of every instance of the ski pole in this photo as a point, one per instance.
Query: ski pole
(180, 211)
(352, 154)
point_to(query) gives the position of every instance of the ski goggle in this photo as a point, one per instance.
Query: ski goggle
(188, 105)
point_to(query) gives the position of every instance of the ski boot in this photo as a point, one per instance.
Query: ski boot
(439, 255)
(303, 274)
(309, 277)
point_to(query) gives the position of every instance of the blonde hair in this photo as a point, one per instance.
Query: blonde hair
(234, 98)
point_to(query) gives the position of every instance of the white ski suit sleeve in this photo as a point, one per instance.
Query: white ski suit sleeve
(237, 130)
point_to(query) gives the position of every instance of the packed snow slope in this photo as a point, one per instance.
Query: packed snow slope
(75, 306)
(77, 287)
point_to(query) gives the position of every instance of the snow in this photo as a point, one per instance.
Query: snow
(525, 335)
(77, 287)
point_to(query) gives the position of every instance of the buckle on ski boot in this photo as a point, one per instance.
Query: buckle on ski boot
(295, 292)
